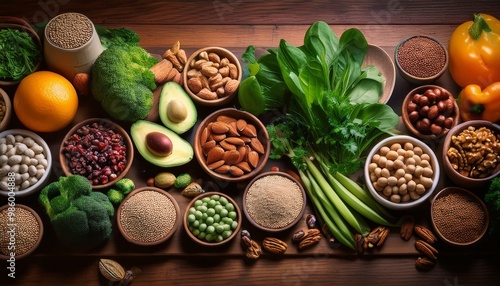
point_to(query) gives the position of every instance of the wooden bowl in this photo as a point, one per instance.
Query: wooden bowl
(271, 197)
(413, 202)
(457, 178)
(21, 25)
(412, 78)
(439, 224)
(21, 231)
(412, 126)
(5, 121)
(379, 58)
(108, 124)
(199, 237)
(222, 53)
(201, 149)
(43, 180)
(148, 206)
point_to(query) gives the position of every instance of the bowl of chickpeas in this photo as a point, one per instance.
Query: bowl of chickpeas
(401, 172)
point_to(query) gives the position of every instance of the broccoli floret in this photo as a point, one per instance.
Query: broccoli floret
(81, 218)
(116, 37)
(182, 180)
(123, 83)
(492, 200)
(125, 186)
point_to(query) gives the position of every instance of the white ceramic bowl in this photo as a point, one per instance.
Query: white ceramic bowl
(411, 203)
(48, 156)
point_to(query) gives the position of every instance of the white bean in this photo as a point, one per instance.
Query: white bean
(25, 185)
(23, 168)
(28, 141)
(19, 138)
(3, 141)
(26, 160)
(33, 162)
(3, 159)
(43, 162)
(11, 151)
(4, 170)
(3, 149)
(10, 139)
(4, 186)
(32, 180)
(32, 170)
(14, 159)
(21, 148)
(14, 168)
(37, 148)
(39, 173)
(30, 153)
(24, 177)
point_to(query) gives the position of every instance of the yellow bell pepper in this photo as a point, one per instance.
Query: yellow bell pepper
(475, 103)
(474, 52)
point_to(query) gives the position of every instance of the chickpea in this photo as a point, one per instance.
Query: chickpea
(396, 146)
(410, 169)
(392, 155)
(400, 173)
(395, 190)
(411, 186)
(382, 181)
(411, 161)
(426, 182)
(418, 171)
(372, 167)
(401, 181)
(377, 172)
(377, 187)
(398, 164)
(414, 195)
(385, 173)
(392, 181)
(382, 161)
(427, 172)
(408, 177)
(403, 189)
(420, 189)
(395, 198)
(401, 152)
(425, 157)
(383, 151)
(405, 197)
(418, 151)
(387, 191)
(425, 163)
(375, 158)
(408, 146)
(389, 165)
(409, 153)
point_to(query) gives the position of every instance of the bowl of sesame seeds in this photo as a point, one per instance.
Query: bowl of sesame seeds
(22, 231)
(421, 59)
(71, 44)
(274, 201)
(148, 216)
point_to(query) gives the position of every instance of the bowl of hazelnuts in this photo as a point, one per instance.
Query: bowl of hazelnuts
(430, 111)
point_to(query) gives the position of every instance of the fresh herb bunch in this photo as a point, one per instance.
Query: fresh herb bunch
(19, 55)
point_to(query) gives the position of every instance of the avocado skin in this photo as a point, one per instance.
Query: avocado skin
(182, 151)
(170, 91)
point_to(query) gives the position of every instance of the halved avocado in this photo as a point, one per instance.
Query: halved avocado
(182, 151)
(177, 110)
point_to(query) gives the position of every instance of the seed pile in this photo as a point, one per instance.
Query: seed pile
(421, 57)
(23, 157)
(458, 217)
(27, 231)
(148, 216)
(274, 201)
(69, 30)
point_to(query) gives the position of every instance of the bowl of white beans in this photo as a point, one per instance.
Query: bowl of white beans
(401, 172)
(25, 162)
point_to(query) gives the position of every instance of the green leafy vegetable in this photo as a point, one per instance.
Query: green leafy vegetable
(492, 200)
(116, 36)
(19, 54)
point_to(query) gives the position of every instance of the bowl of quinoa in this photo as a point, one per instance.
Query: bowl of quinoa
(274, 201)
(22, 231)
(459, 217)
(148, 216)
(421, 59)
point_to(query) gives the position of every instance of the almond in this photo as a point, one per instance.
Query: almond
(209, 71)
(224, 169)
(233, 71)
(209, 145)
(81, 82)
(228, 146)
(194, 84)
(219, 137)
(257, 145)
(235, 171)
(232, 129)
(225, 119)
(205, 93)
(241, 124)
(253, 158)
(231, 86)
(216, 164)
(243, 165)
(235, 141)
(249, 131)
(215, 154)
(219, 127)
(204, 136)
(231, 157)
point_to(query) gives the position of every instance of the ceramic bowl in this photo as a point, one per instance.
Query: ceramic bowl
(108, 124)
(376, 169)
(419, 55)
(23, 231)
(193, 209)
(414, 110)
(9, 22)
(379, 58)
(453, 198)
(274, 202)
(148, 216)
(222, 162)
(192, 68)
(42, 163)
(5, 121)
(460, 179)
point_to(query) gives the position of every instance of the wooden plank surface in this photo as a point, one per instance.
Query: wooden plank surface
(235, 25)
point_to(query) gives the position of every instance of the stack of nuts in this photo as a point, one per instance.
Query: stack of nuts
(424, 243)
(431, 112)
(211, 77)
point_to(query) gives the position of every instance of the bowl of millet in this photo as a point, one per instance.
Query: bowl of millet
(421, 59)
(148, 216)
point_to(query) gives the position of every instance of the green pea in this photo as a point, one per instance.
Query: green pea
(219, 238)
(204, 217)
(227, 227)
(210, 229)
(205, 199)
(218, 209)
(215, 197)
(196, 223)
(202, 227)
(229, 207)
(224, 212)
(232, 215)
(202, 235)
(198, 214)
(191, 218)
(219, 228)
(212, 203)
(211, 212)
(195, 232)
(209, 237)
(223, 201)
(192, 210)
(234, 225)
(198, 203)
(227, 233)
(227, 220)
(202, 209)
(209, 220)
(216, 217)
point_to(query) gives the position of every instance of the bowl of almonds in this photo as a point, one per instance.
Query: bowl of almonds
(231, 145)
(212, 76)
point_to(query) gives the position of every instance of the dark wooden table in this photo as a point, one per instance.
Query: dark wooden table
(236, 25)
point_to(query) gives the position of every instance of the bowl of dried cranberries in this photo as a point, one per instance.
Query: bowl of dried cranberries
(98, 149)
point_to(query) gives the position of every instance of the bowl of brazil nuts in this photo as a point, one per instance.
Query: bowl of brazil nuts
(421, 59)
(472, 165)
(459, 217)
(99, 149)
(212, 219)
(25, 162)
(212, 76)
(274, 201)
(148, 216)
(401, 172)
(429, 112)
(22, 231)
(231, 145)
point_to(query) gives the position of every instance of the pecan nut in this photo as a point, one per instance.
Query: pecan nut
(253, 251)
(424, 263)
(425, 233)
(377, 237)
(360, 243)
(310, 240)
(406, 230)
(274, 245)
(426, 249)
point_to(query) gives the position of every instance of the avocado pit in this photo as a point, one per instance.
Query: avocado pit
(176, 111)
(159, 144)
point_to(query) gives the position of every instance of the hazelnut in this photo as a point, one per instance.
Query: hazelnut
(433, 112)
(438, 92)
(414, 116)
(448, 122)
(424, 101)
(430, 95)
(412, 106)
(441, 106)
(439, 120)
(436, 129)
(424, 125)
(416, 98)
(424, 110)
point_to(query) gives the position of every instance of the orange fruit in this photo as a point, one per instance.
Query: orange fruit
(45, 101)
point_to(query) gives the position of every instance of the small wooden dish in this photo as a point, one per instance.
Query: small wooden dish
(223, 53)
(5, 122)
(204, 242)
(115, 127)
(379, 58)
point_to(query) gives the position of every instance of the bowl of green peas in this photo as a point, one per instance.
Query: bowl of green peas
(212, 219)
